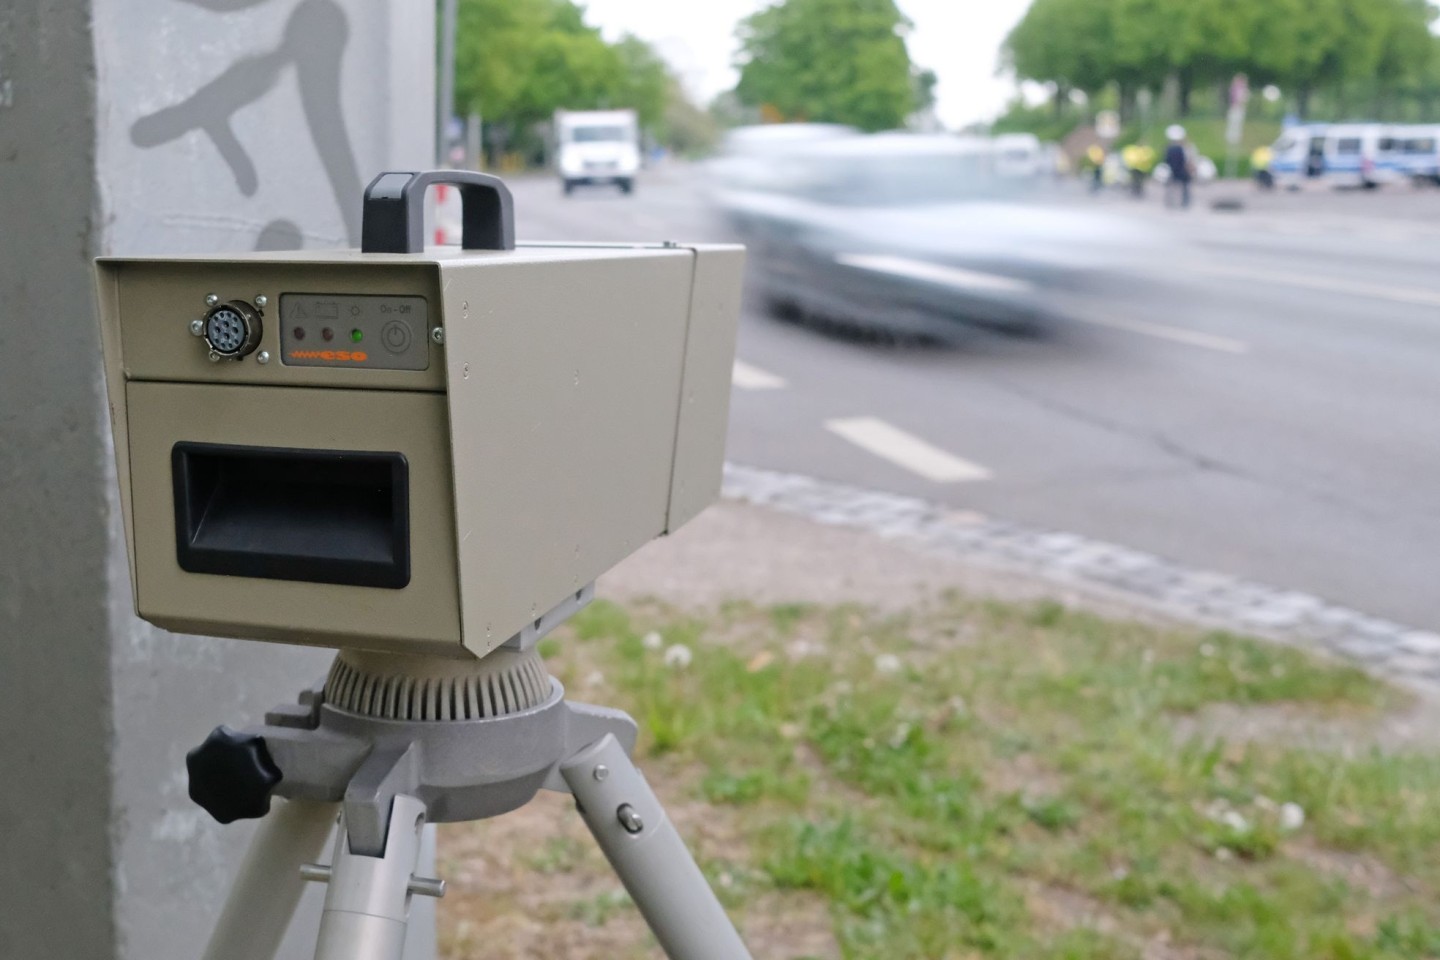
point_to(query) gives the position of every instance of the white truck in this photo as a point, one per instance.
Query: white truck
(597, 147)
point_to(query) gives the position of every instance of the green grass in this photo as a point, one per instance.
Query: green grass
(948, 783)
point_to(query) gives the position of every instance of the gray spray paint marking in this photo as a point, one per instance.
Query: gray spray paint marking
(7, 41)
(314, 44)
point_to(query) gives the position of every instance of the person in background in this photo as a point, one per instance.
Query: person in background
(1139, 160)
(1096, 157)
(1260, 162)
(1182, 168)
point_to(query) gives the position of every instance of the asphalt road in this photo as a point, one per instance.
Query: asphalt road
(1271, 409)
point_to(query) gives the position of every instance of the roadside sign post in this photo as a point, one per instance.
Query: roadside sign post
(1235, 123)
(1107, 125)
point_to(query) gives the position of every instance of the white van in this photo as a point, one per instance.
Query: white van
(597, 147)
(1419, 152)
(1359, 155)
(1298, 154)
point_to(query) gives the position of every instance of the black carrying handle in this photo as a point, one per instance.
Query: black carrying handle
(394, 214)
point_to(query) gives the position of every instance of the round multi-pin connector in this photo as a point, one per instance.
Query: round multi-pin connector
(232, 329)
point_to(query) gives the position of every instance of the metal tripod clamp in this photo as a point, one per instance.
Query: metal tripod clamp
(648, 855)
(393, 219)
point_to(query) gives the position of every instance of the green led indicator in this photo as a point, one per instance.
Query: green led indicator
(357, 335)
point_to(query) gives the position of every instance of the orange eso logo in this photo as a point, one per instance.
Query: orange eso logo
(332, 356)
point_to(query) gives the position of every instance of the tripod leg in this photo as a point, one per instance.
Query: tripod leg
(648, 855)
(367, 902)
(268, 885)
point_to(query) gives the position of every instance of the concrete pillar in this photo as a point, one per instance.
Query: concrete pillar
(135, 128)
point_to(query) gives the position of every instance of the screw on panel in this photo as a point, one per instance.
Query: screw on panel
(601, 771)
(263, 356)
(438, 334)
(197, 327)
(629, 819)
(214, 357)
(261, 300)
(211, 299)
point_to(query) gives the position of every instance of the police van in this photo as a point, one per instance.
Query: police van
(1340, 155)
(1419, 152)
(1297, 154)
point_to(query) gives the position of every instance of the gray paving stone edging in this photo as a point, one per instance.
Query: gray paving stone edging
(1066, 559)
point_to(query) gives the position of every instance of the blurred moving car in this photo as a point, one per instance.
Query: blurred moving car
(770, 138)
(597, 147)
(1018, 156)
(745, 155)
(914, 235)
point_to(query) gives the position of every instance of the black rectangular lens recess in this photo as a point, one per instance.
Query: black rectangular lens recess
(321, 516)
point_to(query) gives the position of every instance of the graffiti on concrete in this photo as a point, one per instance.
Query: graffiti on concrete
(313, 46)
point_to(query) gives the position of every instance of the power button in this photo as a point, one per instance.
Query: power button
(396, 336)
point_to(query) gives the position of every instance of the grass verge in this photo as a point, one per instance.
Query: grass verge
(993, 780)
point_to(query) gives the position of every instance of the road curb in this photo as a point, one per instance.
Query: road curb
(1069, 560)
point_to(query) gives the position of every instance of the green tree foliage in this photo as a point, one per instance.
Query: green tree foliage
(1068, 42)
(518, 61)
(833, 61)
(1352, 51)
(688, 130)
(645, 82)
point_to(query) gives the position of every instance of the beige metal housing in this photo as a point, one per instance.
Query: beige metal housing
(573, 407)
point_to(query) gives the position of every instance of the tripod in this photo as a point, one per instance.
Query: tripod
(396, 742)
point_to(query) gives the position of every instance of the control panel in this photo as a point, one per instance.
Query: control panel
(337, 330)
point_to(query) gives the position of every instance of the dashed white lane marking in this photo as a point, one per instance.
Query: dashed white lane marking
(1191, 338)
(1354, 288)
(907, 451)
(747, 377)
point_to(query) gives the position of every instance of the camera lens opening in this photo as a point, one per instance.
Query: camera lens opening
(323, 516)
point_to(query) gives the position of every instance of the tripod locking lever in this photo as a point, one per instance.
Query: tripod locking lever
(232, 775)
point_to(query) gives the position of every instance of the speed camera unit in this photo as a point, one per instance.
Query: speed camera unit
(415, 452)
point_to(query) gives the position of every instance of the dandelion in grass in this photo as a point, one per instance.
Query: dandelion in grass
(1235, 821)
(678, 656)
(887, 664)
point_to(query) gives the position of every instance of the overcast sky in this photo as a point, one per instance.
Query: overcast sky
(958, 39)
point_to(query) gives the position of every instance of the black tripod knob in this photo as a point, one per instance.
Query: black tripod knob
(232, 775)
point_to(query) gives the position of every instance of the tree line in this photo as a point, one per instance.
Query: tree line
(836, 61)
(1376, 56)
(831, 61)
(518, 61)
